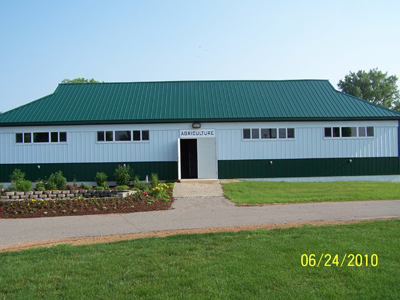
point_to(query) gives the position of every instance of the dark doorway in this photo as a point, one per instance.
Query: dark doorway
(189, 158)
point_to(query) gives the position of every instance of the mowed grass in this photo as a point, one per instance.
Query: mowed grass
(256, 264)
(261, 192)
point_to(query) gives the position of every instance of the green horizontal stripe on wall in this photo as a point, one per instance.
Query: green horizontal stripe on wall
(314, 167)
(167, 170)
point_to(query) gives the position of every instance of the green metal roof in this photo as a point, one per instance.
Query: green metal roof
(187, 101)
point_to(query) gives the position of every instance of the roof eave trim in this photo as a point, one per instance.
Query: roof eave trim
(218, 120)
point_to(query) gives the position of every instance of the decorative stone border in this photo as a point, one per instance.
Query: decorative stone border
(62, 195)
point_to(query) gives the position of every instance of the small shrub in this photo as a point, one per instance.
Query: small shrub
(74, 182)
(69, 187)
(40, 185)
(123, 175)
(87, 187)
(17, 175)
(101, 178)
(99, 188)
(58, 180)
(122, 187)
(158, 192)
(154, 180)
(82, 185)
(24, 185)
(12, 187)
(136, 180)
(142, 186)
(50, 186)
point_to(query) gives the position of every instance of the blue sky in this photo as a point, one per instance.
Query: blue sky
(43, 42)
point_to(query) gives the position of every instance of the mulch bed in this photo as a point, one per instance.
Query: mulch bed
(79, 207)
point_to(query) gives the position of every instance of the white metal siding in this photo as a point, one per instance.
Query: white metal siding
(309, 142)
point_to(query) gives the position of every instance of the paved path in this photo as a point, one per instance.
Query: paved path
(190, 213)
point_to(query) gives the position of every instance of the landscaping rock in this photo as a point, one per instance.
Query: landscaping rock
(10, 193)
(4, 197)
(65, 192)
(38, 192)
(28, 193)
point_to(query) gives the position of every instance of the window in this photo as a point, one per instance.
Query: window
(54, 137)
(328, 132)
(100, 136)
(361, 131)
(282, 133)
(255, 133)
(336, 131)
(145, 135)
(370, 131)
(349, 131)
(63, 137)
(268, 133)
(18, 137)
(246, 133)
(123, 136)
(40, 137)
(136, 135)
(345, 132)
(290, 133)
(109, 136)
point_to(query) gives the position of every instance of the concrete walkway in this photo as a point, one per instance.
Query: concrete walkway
(188, 188)
(190, 213)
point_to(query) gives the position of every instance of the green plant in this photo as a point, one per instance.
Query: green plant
(123, 175)
(122, 187)
(88, 187)
(154, 180)
(142, 186)
(50, 186)
(24, 185)
(17, 175)
(40, 185)
(82, 185)
(12, 187)
(99, 188)
(101, 179)
(74, 182)
(58, 180)
(136, 180)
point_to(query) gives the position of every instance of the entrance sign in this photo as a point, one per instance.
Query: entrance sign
(197, 134)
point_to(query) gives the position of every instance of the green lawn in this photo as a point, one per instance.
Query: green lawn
(256, 264)
(262, 192)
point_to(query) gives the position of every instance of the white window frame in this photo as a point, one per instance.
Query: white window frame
(122, 142)
(269, 139)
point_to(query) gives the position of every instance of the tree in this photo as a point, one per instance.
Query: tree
(81, 80)
(374, 86)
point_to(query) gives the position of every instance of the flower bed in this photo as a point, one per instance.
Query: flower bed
(83, 202)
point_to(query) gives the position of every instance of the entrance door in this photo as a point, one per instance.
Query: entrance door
(188, 153)
(207, 158)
